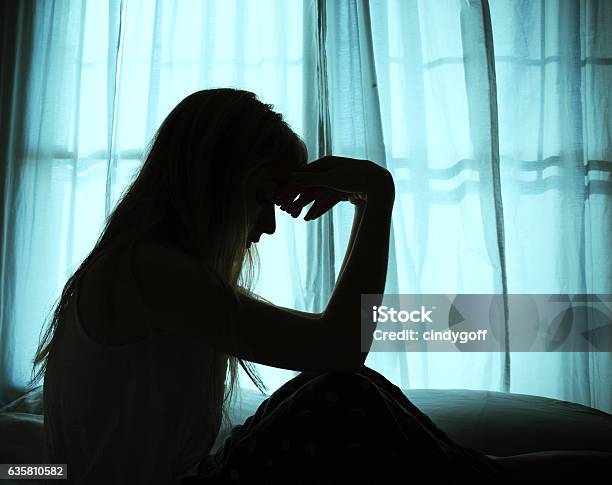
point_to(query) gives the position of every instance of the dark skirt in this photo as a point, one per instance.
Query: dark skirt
(331, 427)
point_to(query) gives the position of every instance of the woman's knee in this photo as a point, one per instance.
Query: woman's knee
(354, 380)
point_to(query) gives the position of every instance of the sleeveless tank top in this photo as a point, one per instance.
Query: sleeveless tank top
(129, 414)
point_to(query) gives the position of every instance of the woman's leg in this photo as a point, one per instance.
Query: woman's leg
(387, 386)
(292, 438)
(263, 411)
(323, 427)
(268, 405)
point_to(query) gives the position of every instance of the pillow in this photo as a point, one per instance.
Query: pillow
(31, 402)
(503, 424)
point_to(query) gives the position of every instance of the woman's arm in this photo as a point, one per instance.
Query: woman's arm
(178, 296)
(365, 267)
(358, 215)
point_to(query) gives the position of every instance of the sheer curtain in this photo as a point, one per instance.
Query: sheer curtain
(493, 118)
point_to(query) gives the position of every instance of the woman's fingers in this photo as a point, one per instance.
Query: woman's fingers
(295, 208)
(324, 199)
(286, 194)
(321, 206)
(291, 203)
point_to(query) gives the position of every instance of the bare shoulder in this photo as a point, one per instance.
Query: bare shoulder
(166, 275)
(105, 303)
(153, 257)
(124, 295)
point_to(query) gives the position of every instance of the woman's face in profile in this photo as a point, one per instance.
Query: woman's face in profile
(262, 189)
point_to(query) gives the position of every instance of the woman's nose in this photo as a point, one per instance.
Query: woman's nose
(268, 220)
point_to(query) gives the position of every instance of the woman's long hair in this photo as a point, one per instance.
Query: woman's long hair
(190, 184)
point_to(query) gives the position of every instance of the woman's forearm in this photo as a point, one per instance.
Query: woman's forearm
(358, 215)
(365, 268)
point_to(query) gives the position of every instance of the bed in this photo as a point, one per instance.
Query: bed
(494, 423)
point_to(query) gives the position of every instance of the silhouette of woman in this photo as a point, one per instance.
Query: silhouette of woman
(162, 311)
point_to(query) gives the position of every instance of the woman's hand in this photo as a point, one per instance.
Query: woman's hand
(329, 180)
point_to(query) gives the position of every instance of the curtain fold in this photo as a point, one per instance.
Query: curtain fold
(493, 117)
(481, 88)
(17, 39)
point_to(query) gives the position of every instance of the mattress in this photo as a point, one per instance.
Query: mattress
(494, 423)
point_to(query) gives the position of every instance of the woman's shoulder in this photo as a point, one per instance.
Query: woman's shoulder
(108, 303)
(147, 286)
(168, 275)
(155, 252)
